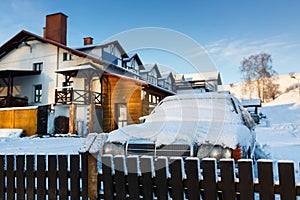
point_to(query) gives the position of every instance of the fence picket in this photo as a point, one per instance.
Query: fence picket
(176, 178)
(246, 185)
(107, 176)
(84, 175)
(30, 177)
(10, 176)
(161, 178)
(119, 163)
(75, 177)
(209, 178)
(132, 177)
(227, 179)
(146, 170)
(52, 177)
(63, 176)
(20, 177)
(2, 177)
(41, 177)
(287, 180)
(192, 174)
(266, 179)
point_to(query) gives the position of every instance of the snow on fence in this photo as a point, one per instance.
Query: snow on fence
(77, 176)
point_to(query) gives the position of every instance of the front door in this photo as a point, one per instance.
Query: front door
(120, 115)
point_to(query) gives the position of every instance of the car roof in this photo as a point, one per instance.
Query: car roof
(204, 95)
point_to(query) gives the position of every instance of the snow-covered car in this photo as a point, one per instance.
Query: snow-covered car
(211, 124)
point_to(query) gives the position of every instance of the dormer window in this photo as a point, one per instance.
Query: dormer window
(67, 56)
(38, 66)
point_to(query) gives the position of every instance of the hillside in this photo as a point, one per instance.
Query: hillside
(284, 81)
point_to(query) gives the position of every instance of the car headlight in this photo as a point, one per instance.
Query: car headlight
(113, 148)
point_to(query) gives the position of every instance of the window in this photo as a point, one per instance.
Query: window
(38, 66)
(67, 56)
(38, 94)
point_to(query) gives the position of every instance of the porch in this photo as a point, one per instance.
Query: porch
(7, 77)
(11, 101)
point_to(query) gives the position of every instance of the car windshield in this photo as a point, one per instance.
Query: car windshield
(206, 108)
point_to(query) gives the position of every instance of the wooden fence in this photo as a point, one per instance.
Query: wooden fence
(43, 177)
(77, 176)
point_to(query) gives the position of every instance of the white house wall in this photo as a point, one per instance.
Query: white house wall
(24, 57)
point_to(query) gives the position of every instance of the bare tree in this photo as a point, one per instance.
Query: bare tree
(256, 71)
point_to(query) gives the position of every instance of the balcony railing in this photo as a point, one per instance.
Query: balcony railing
(10, 101)
(68, 96)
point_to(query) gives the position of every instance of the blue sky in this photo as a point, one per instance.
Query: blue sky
(227, 30)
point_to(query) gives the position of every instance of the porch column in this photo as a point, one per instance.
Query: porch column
(72, 119)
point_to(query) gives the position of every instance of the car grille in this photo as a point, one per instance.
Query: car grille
(164, 150)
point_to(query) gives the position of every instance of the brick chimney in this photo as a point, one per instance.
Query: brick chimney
(56, 28)
(88, 41)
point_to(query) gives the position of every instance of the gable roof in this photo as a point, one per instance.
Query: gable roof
(115, 42)
(150, 67)
(138, 60)
(23, 36)
(166, 74)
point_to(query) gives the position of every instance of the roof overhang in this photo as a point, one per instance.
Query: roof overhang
(17, 73)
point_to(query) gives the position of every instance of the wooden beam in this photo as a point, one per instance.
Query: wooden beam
(72, 119)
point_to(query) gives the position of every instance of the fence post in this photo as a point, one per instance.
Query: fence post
(266, 179)
(2, 177)
(161, 178)
(192, 174)
(209, 178)
(287, 179)
(93, 176)
(246, 184)
(146, 170)
(227, 178)
(107, 170)
(20, 177)
(132, 178)
(120, 171)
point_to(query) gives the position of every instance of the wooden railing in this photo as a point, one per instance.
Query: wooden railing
(7, 101)
(68, 96)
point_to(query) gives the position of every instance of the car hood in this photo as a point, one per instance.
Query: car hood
(187, 132)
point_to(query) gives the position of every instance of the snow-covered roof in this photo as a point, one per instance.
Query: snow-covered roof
(149, 68)
(206, 76)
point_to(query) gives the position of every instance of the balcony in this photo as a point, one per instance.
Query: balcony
(70, 95)
(10, 101)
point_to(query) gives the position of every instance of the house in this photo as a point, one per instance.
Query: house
(60, 89)
(198, 82)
